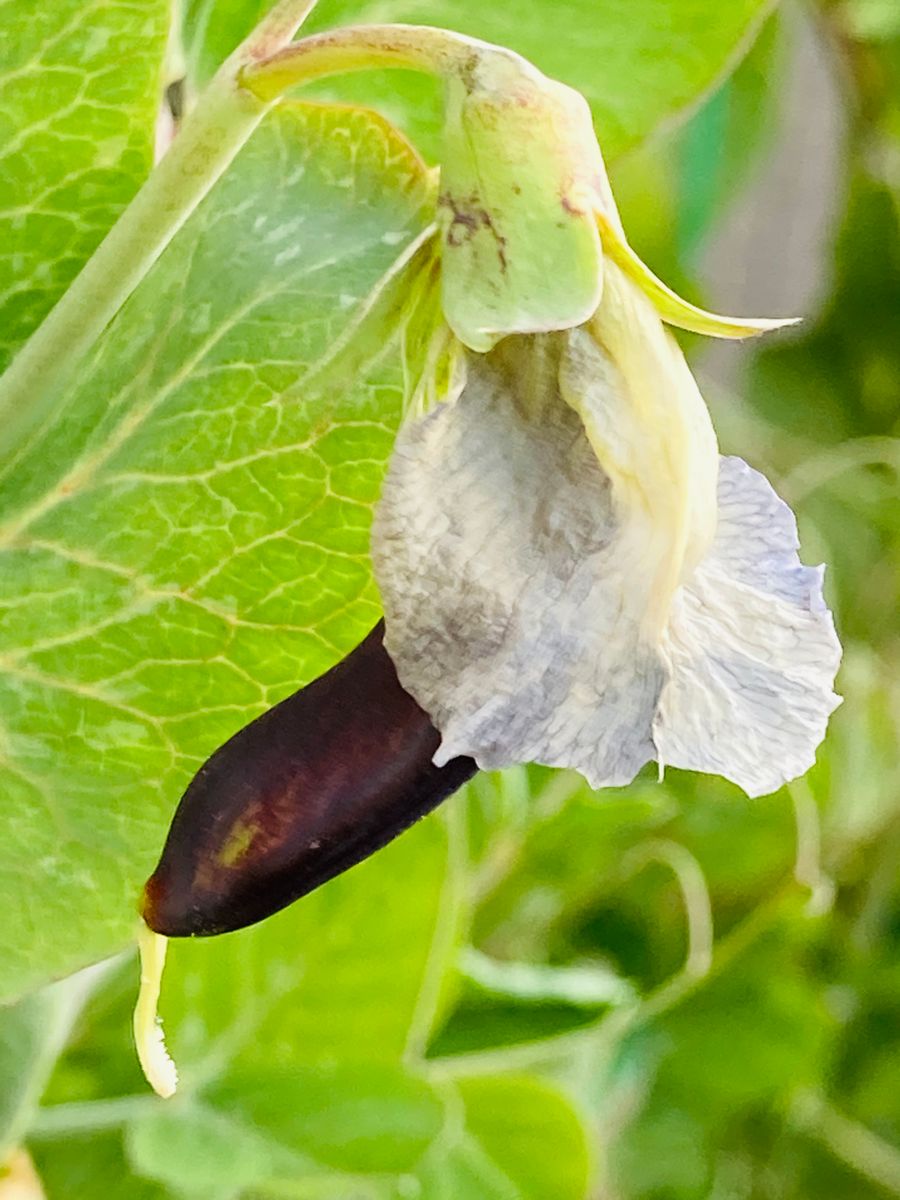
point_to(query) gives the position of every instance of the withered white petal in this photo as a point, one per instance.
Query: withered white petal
(511, 591)
(569, 578)
(751, 647)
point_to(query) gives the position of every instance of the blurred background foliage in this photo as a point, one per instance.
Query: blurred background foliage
(662, 992)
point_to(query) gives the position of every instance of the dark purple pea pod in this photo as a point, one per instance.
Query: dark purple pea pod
(308, 789)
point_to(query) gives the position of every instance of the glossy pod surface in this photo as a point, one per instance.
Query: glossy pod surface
(308, 789)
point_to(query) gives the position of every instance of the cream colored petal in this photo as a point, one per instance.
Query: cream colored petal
(626, 377)
(512, 591)
(751, 648)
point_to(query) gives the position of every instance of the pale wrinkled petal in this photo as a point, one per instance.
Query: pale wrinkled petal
(752, 648)
(512, 593)
(570, 578)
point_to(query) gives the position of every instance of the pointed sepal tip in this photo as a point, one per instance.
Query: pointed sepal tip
(673, 309)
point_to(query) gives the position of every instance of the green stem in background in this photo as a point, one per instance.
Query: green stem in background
(90, 1116)
(274, 31)
(446, 935)
(576, 1049)
(209, 139)
(694, 893)
(33, 1033)
(848, 1141)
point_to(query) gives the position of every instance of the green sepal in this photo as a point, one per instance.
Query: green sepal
(519, 185)
(673, 309)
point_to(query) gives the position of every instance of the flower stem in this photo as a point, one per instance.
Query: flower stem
(209, 139)
(365, 47)
(275, 29)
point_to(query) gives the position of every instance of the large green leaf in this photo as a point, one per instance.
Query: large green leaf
(188, 539)
(197, 1149)
(492, 1138)
(368, 1120)
(516, 1138)
(80, 87)
(92, 1165)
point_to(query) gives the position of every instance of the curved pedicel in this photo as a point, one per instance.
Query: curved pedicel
(308, 789)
